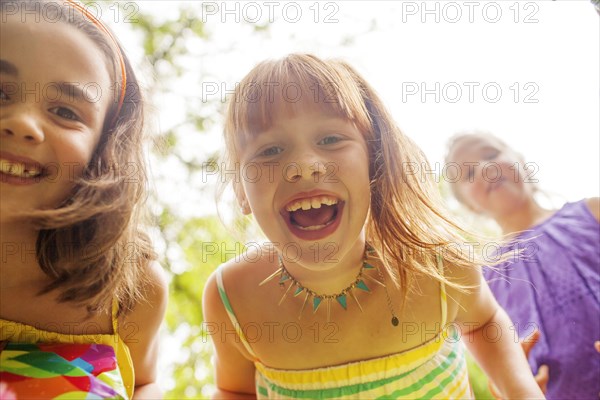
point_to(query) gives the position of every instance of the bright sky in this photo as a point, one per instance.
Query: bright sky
(526, 71)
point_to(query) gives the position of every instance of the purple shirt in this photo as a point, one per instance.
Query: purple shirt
(555, 286)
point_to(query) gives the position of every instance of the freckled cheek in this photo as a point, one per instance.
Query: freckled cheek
(516, 172)
(255, 177)
(73, 160)
(260, 194)
(343, 167)
(508, 166)
(253, 191)
(356, 166)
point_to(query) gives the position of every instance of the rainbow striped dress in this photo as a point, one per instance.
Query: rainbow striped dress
(433, 370)
(39, 364)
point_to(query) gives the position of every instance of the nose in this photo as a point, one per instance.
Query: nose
(22, 125)
(307, 167)
(470, 172)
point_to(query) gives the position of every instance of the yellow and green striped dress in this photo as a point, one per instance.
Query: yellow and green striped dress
(433, 370)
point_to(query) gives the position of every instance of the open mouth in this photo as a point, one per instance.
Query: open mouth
(495, 184)
(313, 217)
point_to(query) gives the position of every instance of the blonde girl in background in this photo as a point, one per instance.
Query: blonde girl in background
(554, 287)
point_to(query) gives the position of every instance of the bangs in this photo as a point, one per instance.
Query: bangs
(468, 139)
(291, 85)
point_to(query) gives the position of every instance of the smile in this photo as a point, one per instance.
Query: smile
(495, 185)
(19, 170)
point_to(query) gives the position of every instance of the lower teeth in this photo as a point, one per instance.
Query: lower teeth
(313, 227)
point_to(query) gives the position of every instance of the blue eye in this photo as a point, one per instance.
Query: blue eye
(271, 151)
(65, 113)
(330, 140)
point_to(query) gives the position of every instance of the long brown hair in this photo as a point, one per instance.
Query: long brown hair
(92, 246)
(408, 223)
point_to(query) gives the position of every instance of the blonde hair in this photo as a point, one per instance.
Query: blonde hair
(408, 224)
(463, 138)
(92, 247)
(456, 142)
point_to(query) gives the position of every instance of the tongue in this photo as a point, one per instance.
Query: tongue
(314, 216)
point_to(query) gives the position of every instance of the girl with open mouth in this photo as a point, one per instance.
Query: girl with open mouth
(362, 295)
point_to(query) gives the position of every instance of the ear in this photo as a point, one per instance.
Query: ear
(242, 200)
(245, 207)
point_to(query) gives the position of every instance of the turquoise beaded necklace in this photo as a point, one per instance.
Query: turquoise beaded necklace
(316, 299)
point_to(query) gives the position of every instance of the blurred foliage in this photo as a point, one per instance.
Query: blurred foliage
(183, 238)
(194, 372)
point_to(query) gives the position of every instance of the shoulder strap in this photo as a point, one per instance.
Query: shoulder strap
(443, 299)
(230, 312)
(114, 316)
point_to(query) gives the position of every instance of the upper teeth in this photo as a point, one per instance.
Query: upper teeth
(313, 202)
(18, 169)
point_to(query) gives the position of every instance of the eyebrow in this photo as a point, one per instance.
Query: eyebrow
(72, 89)
(487, 147)
(8, 68)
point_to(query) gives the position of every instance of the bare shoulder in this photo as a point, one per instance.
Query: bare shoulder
(140, 327)
(240, 276)
(155, 291)
(148, 313)
(244, 271)
(234, 369)
(156, 283)
(593, 204)
(468, 292)
(468, 277)
(212, 305)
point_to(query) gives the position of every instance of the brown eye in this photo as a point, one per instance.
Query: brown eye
(65, 113)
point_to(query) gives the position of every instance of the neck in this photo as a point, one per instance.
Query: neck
(331, 276)
(18, 261)
(526, 216)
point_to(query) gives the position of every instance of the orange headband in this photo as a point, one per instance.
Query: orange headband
(104, 29)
